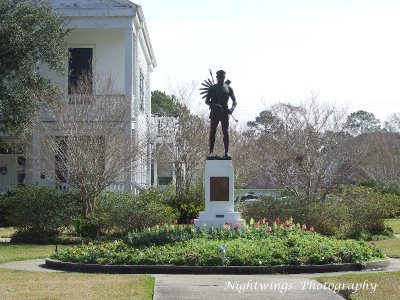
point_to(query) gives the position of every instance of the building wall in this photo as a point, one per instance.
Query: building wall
(108, 52)
(142, 115)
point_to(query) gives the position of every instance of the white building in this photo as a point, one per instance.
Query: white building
(163, 140)
(107, 37)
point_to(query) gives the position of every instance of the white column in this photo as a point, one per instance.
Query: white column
(36, 148)
(129, 75)
(149, 129)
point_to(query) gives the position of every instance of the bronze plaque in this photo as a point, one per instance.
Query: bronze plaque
(219, 188)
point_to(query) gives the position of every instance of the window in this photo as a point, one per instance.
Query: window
(141, 90)
(21, 163)
(80, 71)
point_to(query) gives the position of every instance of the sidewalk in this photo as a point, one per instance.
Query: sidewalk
(229, 287)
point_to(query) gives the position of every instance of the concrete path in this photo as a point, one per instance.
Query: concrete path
(27, 265)
(229, 287)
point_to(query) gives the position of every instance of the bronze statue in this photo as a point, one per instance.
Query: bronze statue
(217, 96)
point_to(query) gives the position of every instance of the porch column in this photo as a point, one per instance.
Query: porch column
(129, 80)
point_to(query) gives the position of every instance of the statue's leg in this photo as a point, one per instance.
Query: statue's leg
(213, 131)
(225, 127)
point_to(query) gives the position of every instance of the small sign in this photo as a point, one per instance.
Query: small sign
(219, 188)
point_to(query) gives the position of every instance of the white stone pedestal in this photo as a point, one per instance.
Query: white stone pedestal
(219, 196)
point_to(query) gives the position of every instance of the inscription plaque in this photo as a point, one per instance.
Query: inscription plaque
(219, 188)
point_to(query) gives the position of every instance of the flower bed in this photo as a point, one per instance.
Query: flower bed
(256, 245)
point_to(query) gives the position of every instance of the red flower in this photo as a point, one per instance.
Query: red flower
(191, 221)
(312, 228)
(236, 226)
(278, 221)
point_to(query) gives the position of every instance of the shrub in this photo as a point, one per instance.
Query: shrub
(4, 210)
(188, 203)
(41, 213)
(121, 212)
(350, 212)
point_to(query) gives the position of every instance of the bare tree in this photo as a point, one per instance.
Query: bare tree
(89, 139)
(392, 123)
(380, 155)
(183, 140)
(300, 149)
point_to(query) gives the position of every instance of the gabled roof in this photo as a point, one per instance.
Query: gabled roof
(93, 4)
(100, 9)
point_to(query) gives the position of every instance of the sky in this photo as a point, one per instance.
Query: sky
(346, 51)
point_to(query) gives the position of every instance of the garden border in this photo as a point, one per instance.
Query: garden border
(244, 270)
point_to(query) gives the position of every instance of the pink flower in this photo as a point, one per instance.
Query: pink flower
(176, 222)
(304, 227)
(312, 228)
(191, 221)
(227, 226)
(236, 226)
(269, 228)
(263, 221)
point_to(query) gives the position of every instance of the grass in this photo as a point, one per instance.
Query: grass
(14, 252)
(394, 224)
(390, 247)
(387, 284)
(6, 232)
(36, 285)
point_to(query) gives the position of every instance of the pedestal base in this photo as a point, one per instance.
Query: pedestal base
(219, 196)
(216, 219)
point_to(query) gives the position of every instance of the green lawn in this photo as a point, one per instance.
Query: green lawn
(387, 284)
(13, 252)
(395, 224)
(37, 285)
(390, 247)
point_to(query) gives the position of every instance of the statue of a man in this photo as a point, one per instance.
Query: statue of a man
(217, 98)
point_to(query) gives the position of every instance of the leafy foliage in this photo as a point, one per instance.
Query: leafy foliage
(40, 212)
(118, 213)
(350, 212)
(163, 104)
(30, 33)
(187, 204)
(253, 247)
(362, 122)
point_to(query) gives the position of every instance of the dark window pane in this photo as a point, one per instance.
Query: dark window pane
(80, 71)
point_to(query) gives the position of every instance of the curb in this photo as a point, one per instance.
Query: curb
(243, 270)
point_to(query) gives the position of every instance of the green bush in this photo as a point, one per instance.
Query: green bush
(350, 212)
(118, 213)
(188, 203)
(4, 210)
(41, 213)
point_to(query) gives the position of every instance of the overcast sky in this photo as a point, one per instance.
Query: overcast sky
(348, 51)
